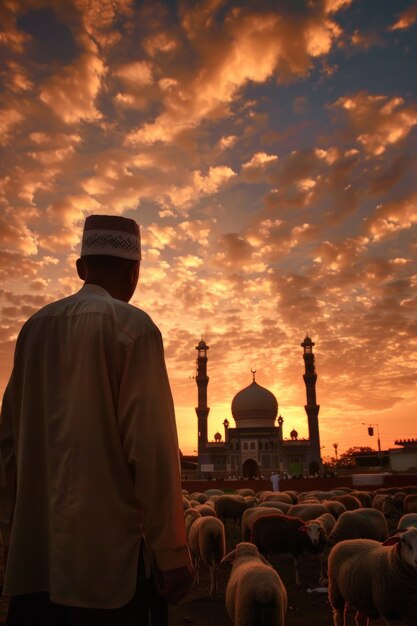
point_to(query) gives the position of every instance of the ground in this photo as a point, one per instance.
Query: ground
(306, 607)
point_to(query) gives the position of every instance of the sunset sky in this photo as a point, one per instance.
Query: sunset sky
(268, 151)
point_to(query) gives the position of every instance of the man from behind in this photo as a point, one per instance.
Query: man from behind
(90, 504)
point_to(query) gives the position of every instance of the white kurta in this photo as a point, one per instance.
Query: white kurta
(88, 453)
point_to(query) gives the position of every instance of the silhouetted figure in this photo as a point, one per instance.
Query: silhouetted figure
(91, 498)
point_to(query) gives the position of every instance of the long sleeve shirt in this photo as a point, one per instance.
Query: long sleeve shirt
(89, 461)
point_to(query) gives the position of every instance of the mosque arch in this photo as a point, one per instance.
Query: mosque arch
(313, 468)
(250, 468)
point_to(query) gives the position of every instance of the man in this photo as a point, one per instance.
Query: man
(275, 481)
(91, 497)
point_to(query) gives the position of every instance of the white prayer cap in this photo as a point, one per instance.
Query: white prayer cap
(111, 235)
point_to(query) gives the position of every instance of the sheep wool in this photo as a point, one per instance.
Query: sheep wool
(255, 593)
(377, 580)
(365, 523)
(207, 543)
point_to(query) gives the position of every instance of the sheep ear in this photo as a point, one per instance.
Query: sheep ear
(229, 557)
(392, 540)
(303, 529)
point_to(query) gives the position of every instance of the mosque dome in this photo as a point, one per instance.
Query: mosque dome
(254, 406)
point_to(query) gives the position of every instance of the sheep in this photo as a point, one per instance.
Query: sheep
(205, 509)
(410, 503)
(185, 503)
(200, 497)
(275, 496)
(250, 515)
(207, 543)
(375, 580)
(351, 503)
(213, 492)
(244, 492)
(387, 504)
(232, 507)
(334, 507)
(292, 494)
(407, 520)
(282, 534)
(365, 523)
(306, 511)
(409, 489)
(364, 497)
(313, 495)
(255, 593)
(190, 515)
(316, 495)
(212, 500)
(320, 527)
(274, 504)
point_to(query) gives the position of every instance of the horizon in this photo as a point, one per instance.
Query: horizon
(268, 152)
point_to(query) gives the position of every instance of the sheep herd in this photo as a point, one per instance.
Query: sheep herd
(365, 543)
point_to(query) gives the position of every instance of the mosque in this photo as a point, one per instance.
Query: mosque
(256, 446)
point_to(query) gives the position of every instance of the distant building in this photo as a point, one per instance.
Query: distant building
(256, 447)
(404, 459)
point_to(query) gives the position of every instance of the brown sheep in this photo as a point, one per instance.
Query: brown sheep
(351, 503)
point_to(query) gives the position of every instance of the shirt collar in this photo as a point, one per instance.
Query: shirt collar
(96, 289)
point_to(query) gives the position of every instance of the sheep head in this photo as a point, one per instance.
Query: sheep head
(246, 551)
(407, 545)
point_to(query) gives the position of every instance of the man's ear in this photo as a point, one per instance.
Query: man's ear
(81, 269)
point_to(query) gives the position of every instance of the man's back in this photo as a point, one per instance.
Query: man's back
(89, 386)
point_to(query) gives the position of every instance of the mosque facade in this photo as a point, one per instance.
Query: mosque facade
(255, 447)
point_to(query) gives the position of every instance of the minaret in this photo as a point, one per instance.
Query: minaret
(312, 408)
(202, 409)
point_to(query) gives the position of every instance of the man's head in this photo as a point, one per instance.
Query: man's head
(110, 254)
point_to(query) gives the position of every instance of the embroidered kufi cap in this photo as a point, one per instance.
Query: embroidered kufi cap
(111, 235)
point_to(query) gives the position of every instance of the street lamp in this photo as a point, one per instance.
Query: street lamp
(335, 446)
(371, 433)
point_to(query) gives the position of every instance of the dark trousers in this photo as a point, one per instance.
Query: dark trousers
(146, 608)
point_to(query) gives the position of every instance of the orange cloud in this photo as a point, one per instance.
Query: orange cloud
(407, 18)
(392, 217)
(72, 92)
(252, 46)
(378, 121)
(9, 119)
(16, 234)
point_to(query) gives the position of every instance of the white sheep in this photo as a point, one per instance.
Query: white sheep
(365, 523)
(376, 580)
(206, 539)
(320, 527)
(255, 593)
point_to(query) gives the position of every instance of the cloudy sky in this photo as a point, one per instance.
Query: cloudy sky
(268, 150)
